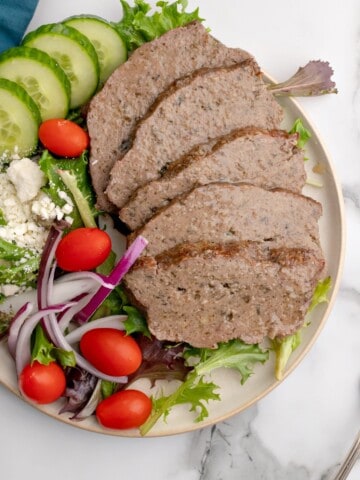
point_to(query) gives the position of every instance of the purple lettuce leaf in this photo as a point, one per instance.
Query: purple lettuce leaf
(79, 388)
(311, 80)
(161, 360)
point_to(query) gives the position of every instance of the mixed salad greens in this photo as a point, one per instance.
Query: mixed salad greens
(68, 306)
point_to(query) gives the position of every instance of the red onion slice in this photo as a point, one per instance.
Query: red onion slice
(113, 321)
(46, 262)
(16, 324)
(23, 349)
(120, 270)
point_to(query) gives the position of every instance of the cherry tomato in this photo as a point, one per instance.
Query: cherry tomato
(63, 137)
(83, 249)
(124, 409)
(111, 351)
(42, 383)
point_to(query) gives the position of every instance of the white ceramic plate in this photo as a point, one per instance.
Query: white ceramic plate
(234, 397)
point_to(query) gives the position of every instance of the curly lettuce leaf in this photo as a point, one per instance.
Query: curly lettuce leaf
(78, 169)
(195, 391)
(138, 26)
(18, 265)
(283, 347)
(304, 135)
(233, 354)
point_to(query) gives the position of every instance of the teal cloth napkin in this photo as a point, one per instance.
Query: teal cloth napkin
(15, 16)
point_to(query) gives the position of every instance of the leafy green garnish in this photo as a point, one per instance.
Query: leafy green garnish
(18, 265)
(108, 388)
(138, 26)
(78, 168)
(283, 347)
(195, 391)
(81, 202)
(45, 352)
(321, 293)
(303, 134)
(135, 323)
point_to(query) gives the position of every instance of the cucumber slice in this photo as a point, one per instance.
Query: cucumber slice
(40, 76)
(74, 53)
(19, 121)
(109, 46)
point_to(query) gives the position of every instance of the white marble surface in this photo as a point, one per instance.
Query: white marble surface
(303, 429)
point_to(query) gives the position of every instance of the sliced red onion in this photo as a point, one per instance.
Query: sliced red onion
(68, 316)
(46, 262)
(120, 270)
(113, 321)
(16, 325)
(23, 349)
(61, 342)
(93, 278)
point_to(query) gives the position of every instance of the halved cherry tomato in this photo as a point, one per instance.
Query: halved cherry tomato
(63, 137)
(111, 351)
(124, 409)
(83, 249)
(42, 383)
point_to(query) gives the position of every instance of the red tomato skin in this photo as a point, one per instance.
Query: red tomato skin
(42, 383)
(83, 249)
(63, 137)
(111, 351)
(124, 409)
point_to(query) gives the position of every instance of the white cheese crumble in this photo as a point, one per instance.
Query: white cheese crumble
(22, 227)
(27, 211)
(26, 177)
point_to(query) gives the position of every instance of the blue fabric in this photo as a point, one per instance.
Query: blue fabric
(15, 16)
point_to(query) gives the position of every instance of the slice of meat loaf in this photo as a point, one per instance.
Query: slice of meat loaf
(204, 294)
(196, 109)
(223, 213)
(267, 158)
(135, 85)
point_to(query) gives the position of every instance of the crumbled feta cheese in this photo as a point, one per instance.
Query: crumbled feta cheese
(21, 226)
(64, 196)
(27, 178)
(45, 209)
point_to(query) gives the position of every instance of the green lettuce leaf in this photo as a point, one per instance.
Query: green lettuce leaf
(137, 26)
(108, 388)
(303, 134)
(135, 323)
(283, 347)
(18, 265)
(195, 391)
(78, 168)
(45, 352)
(321, 293)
